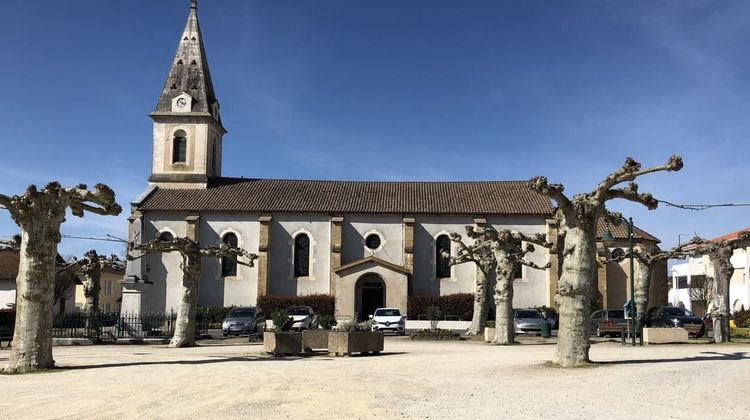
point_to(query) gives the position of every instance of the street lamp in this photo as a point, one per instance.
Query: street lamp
(607, 237)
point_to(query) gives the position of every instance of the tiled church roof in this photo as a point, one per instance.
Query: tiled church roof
(303, 196)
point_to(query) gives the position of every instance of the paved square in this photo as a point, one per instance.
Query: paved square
(410, 380)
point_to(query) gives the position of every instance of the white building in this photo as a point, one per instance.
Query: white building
(368, 243)
(688, 279)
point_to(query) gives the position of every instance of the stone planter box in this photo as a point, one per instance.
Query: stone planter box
(343, 343)
(665, 335)
(284, 343)
(315, 340)
(489, 334)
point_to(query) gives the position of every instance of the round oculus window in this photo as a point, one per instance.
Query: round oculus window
(372, 241)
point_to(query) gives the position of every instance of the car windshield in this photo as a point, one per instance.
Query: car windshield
(242, 313)
(387, 312)
(677, 312)
(297, 311)
(527, 314)
(617, 314)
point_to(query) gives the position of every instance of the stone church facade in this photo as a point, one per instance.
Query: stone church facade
(370, 244)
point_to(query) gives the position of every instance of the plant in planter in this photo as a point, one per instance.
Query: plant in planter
(281, 340)
(351, 337)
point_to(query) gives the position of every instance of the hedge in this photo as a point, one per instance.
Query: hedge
(322, 304)
(742, 319)
(459, 304)
(214, 315)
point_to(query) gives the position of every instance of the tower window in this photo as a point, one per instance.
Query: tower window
(442, 265)
(179, 147)
(228, 264)
(302, 255)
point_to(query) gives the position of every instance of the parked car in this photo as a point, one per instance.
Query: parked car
(673, 316)
(550, 315)
(243, 320)
(389, 319)
(303, 317)
(606, 317)
(528, 321)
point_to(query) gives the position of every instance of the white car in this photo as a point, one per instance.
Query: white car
(389, 319)
(303, 317)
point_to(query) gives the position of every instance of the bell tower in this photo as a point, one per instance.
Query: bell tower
(187, 132)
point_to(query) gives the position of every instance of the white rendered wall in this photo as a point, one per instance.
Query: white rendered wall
(283, 229)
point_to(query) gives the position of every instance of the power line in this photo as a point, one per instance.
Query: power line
(699, 207)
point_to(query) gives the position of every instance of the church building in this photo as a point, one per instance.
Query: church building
(370, 244)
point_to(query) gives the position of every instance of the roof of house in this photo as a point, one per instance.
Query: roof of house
(307, 196)
(732, 235)
(621, 232)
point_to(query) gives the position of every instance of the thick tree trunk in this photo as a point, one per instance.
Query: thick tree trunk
(642, 289)
(32, 339)
(504, 322)
(723, 271)
(479, 319)
(574, 295)
(184, 331)
(91, 290)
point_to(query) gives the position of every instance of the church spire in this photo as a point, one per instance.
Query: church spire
(189, 72)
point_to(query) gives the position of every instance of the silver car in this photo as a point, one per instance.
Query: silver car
(243, 320)
(528, 321)
(613, 317)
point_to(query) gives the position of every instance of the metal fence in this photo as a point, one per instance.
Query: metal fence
(103, 327)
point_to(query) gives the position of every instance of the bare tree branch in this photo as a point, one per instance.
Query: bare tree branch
(540, 185)
(631, 170)
(630, 193)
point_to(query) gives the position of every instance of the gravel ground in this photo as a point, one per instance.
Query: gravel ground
(449, 380)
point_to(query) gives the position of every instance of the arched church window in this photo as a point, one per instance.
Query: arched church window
(229, 264)
(302, 255)
(442, 265)
(166, 237)
(179, 147)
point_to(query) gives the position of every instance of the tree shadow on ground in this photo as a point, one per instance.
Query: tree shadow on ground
(214, 359)
(706, 356)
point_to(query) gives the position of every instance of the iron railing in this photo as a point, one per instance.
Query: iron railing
(105, 327)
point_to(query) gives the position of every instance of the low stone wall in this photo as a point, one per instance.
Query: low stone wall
(343, 343)
(665, 335)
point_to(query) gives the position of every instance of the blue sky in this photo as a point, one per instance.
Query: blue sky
(391, 90)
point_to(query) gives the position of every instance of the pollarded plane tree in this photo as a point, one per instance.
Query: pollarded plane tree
(720, 252)
(191, 253)
(91, 266)
(64, 279)
(577, 219)
(40, 214)
(647, 261)
(480, 253)
(502, 251)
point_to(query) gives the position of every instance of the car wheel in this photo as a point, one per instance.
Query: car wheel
(598, 331)
(224, 334)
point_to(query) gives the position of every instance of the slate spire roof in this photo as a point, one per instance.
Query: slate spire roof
(189, 72)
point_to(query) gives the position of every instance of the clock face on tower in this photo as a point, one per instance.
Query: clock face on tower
(181, 102)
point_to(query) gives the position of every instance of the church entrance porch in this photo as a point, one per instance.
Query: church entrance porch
(366, 284)
(370, 295)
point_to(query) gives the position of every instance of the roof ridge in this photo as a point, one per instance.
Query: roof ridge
(508, 181)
